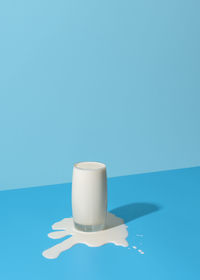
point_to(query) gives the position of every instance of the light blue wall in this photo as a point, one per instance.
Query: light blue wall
(112, 81)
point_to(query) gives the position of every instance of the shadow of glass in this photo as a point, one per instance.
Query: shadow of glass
(134, 211)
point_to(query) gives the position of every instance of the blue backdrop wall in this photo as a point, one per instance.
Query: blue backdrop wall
(111, 81)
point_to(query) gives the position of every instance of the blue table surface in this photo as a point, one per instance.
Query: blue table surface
(162, 213)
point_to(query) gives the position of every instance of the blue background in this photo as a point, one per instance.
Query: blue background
(162, 206)
(111, 81)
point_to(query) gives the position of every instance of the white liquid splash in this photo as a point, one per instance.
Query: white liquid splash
(115, 232)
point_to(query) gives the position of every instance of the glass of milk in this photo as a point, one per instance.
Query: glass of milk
(89, 196)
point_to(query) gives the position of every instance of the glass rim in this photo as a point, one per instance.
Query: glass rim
(97, 165)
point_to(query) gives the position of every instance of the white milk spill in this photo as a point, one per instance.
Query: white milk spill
(115, 232)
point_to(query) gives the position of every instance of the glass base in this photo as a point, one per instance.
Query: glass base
(88, 228)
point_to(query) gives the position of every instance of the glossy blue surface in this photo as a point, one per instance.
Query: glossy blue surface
(112, 81)
(163, 207)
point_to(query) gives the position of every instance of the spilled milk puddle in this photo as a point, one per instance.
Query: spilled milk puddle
(115, 232)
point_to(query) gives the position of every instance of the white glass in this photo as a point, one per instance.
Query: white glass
(89, 196)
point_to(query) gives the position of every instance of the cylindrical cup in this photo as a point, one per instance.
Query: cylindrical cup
(89, 196)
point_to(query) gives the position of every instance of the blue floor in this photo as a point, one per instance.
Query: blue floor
(162, 213)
